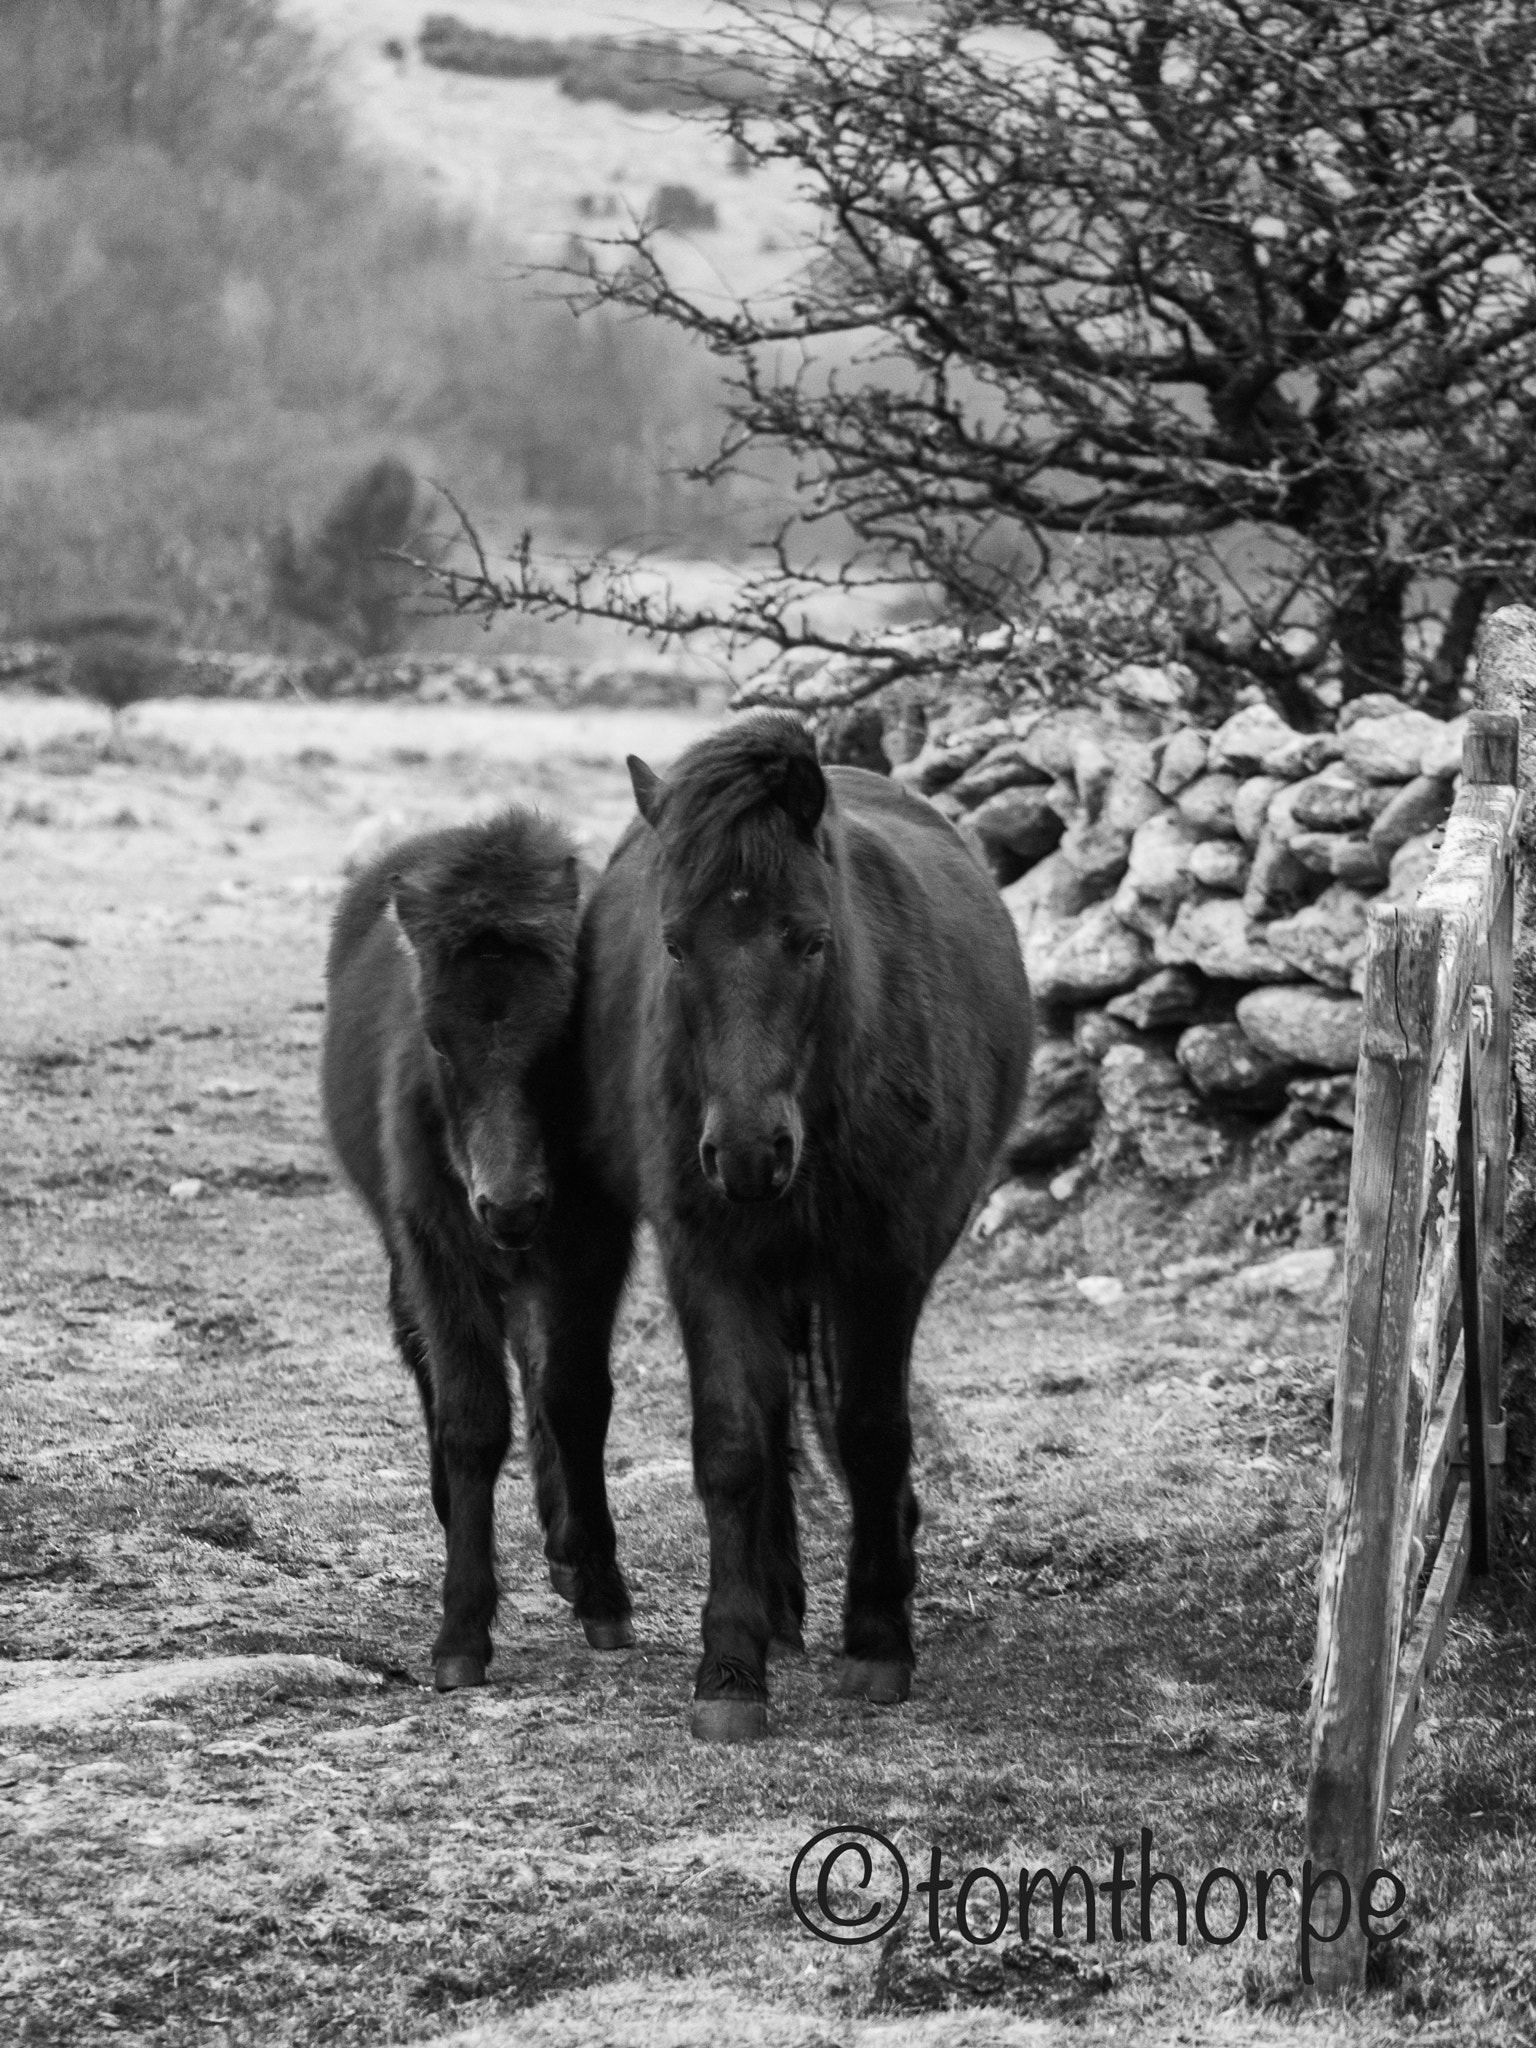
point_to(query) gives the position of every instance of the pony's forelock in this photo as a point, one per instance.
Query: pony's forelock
(725, 823)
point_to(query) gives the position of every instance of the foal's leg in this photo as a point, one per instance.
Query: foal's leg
(872, 1327)
(458, 1311)
(413, 1349)
(739, 1374)
(569, 1394)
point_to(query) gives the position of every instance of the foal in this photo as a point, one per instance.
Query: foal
(805, 1034)
(448, 1077)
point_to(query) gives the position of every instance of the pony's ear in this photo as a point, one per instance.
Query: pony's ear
(650, 790)
(800, 788)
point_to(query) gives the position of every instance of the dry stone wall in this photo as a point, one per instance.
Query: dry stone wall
(1191, 907)
(418, 678)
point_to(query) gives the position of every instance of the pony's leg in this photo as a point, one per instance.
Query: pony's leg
(872, 1331)
(413, 1349)
(458, 1311)
(739, 1376)
(570, 1400)
(783, 1577)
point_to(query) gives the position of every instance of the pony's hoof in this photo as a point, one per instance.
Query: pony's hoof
(563, 1578)
(881, 1679)
(449, 1673)
(729, 1720)
(616, 1632)
(788, 1642)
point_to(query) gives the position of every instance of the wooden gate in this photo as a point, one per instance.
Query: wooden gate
(1418, 1430)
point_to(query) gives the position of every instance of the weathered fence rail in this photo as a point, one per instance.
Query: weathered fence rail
(1418, 1431)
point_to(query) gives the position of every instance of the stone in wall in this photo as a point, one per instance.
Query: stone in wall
(1422, 805)
(1250, 807)
(1206, 804)
(1001, 767)
(1060, 1107)
(1021, 820)
(1325, 939)
(1225, 1065)
(1157, 876)
(1247, 739)
(1099, 846)
(1094, 1031)
(1172, 995)
(1223, 864)
(1389, 749)
(1278, 882)
(1180, 760)
(1348, 856)
(1332, 801)
(1085, 958)
(1215, 934)
(1330, 1097)
(938, 763)
(1052, 888)
(1149, 1112)
(1164, 689)
(1304, 1024)
(1304, 753)
(1048, 746)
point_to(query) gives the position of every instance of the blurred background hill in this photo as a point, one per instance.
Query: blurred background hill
(249, 252)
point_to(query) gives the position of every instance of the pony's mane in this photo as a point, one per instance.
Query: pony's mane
(724, 823)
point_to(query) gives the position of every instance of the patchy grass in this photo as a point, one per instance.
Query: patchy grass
(208, 1449)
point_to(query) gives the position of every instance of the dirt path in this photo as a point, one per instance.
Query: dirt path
(229, 1808)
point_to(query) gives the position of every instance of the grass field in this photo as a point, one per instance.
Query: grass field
(230, 1807)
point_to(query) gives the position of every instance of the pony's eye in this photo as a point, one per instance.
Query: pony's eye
(674, 950)
(813, 947)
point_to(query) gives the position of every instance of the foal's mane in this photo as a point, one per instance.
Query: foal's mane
(513, 873)
(726, 822)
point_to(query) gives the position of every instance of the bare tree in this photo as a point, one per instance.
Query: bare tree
(1240, 288)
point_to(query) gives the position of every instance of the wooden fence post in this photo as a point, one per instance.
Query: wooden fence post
(1506, 681)
(1361, 1580)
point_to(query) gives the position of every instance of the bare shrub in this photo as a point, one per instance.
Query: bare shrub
(342, 577)
(678, 210)
(118, 671)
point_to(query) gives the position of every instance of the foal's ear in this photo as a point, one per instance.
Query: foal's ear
(650, 790)
(800, 789)
(587, 878)
(398, 910)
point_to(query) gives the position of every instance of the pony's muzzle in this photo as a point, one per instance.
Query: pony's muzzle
(511, 1226)
(750, 1170)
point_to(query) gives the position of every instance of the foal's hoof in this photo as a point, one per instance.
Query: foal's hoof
(563, 1578)
(881, 1679)
(788, 1641)
(616, 1632)
(449, 1673)
(729, 1720)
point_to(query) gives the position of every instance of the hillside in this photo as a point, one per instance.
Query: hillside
(535, 167)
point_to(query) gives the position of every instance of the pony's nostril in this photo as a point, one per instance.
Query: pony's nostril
(783, 1156)
(709, 1159)
(512, 1227)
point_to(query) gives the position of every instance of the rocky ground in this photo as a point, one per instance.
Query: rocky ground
(229, 1805)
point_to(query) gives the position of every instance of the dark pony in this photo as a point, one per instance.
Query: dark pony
(805, 1032)
(450, 1088)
